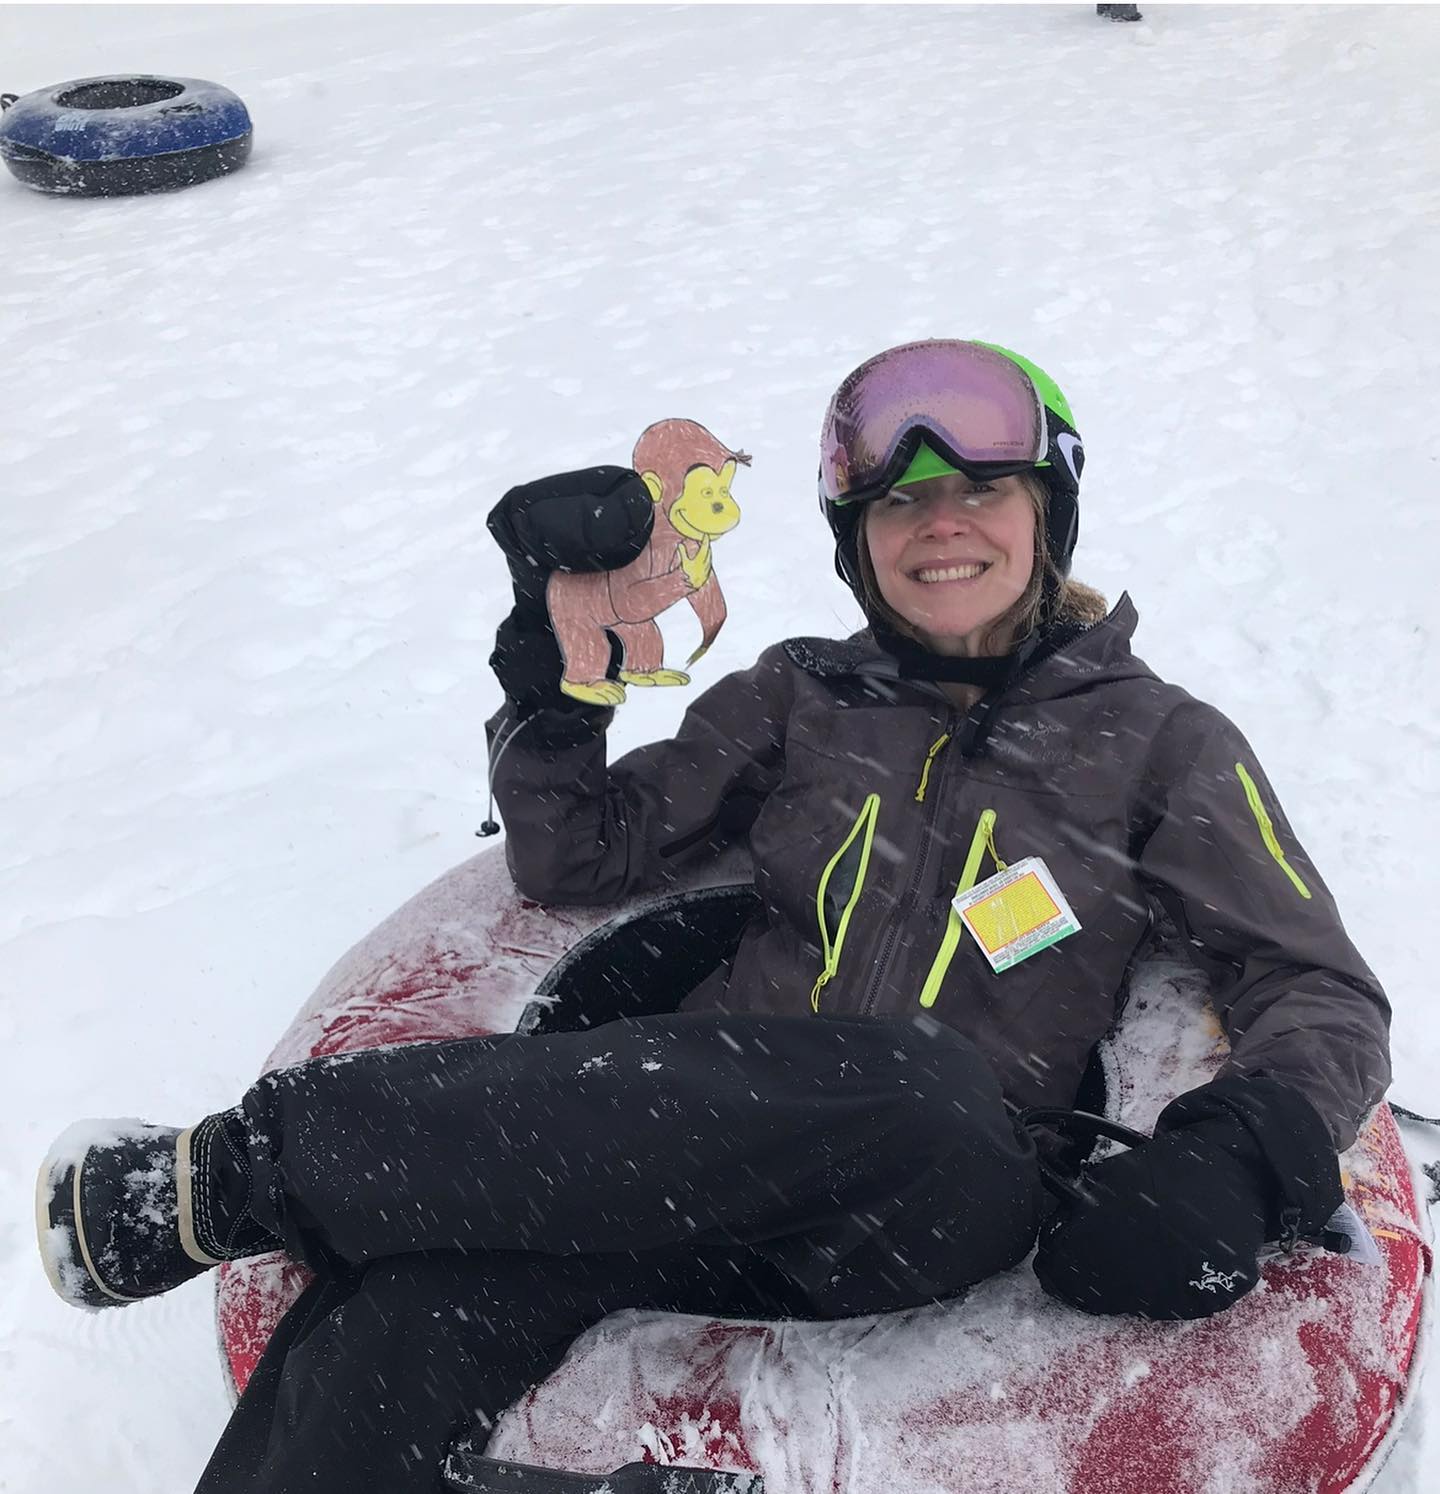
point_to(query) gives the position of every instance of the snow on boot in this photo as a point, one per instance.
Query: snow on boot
(125, 1210)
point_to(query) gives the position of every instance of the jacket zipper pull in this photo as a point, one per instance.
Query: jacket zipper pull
(925, 772)
(818, 987)
(985, 832)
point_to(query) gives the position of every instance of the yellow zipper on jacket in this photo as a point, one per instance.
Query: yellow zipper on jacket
(925, 771)
(1267, 829)
(983, 840)
(864, 825)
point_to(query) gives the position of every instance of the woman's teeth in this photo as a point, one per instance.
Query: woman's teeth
(953, 573)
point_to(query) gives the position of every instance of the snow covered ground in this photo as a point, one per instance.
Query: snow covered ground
(249, 434)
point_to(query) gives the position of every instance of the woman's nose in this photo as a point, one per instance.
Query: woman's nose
(945, 515)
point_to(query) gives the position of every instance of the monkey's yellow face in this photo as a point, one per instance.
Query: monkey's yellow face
(705, 506)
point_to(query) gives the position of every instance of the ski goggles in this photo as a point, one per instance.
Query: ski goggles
(970, 403)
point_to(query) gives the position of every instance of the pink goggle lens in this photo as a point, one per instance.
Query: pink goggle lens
(976, 400)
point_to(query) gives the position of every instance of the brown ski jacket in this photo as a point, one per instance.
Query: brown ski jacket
(864, 798)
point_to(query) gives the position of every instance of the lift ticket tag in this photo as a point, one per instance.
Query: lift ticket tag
(1016, 913)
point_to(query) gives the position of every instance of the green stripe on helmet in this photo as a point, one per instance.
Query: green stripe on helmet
(1050, 394)
(924, 464)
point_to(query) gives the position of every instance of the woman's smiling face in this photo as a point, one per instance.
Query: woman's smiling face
(952, 555)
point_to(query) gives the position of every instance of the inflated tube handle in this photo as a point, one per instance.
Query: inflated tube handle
(1082, 1122)
(466, 1471)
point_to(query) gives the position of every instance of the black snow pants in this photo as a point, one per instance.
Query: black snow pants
(473, 1206)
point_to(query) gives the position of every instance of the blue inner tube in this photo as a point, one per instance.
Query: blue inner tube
(102, 137)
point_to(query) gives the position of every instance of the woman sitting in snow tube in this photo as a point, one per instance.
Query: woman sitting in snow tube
(829, 1125)
(1301, 1389)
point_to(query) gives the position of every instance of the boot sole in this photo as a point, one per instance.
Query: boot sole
(59, 1229)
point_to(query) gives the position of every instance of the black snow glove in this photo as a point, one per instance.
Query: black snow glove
(598, 519)
(527, 662)
(1173, 1228)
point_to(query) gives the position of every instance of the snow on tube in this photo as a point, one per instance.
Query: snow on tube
(1299, 1389)
(110, 137)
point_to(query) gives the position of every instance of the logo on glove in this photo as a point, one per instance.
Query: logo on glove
(1215, 1281)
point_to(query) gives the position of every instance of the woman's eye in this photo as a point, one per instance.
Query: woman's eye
(897, 500)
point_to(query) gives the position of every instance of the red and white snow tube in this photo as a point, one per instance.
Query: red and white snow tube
(1300, 1389)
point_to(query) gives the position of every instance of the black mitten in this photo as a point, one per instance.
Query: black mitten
(1173, 1228)
(598, 519)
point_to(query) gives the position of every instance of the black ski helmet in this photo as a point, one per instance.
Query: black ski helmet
(1059, 469)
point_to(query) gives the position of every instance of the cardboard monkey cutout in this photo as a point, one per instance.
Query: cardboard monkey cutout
(688, 475)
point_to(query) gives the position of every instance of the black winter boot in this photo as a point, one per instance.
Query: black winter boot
(127, 1210)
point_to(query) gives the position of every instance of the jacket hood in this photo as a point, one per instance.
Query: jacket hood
(1064, 660)
(1067, 658)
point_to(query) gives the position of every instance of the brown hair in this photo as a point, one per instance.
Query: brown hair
(1074, 601)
